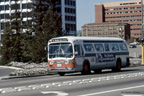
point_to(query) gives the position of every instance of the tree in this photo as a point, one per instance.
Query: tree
(11, 50)
(22, 46)
(46, 24)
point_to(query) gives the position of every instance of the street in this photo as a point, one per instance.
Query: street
(135, 52)
(128, 81)
(5, 71)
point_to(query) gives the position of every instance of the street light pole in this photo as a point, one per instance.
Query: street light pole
(142, 31)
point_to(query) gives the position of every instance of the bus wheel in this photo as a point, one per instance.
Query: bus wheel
(86, 69)
(118, 66)
(61, 73)
(98, 71)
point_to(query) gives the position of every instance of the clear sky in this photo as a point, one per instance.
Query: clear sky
(86, 12)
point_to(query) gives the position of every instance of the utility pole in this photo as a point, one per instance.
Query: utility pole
(142, 31)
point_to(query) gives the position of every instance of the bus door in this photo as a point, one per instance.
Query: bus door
(78, 56)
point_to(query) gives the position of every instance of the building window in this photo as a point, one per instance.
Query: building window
(2, 0)
(2, 26)
(24, 6)
(70, 2)
(2, 16)
(6, 7)
(1, 8)
(58, 9)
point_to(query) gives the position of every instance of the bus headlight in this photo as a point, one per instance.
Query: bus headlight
(51, 62)
(67, 62)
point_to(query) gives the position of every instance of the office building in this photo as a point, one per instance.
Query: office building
(119, 30)
(66, 8)
(121, 12)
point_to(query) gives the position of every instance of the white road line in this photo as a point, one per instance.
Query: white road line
(131, 95)
(109, 91)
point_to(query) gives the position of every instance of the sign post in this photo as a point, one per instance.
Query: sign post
(142, 31)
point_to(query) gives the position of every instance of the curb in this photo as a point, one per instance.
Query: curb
(16, 68)
(13, 77)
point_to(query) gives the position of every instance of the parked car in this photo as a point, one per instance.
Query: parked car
(132, 45)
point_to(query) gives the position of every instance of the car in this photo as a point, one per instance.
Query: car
(132, 45)
(137, 43)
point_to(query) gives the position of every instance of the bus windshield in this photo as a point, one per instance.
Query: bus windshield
(60, 50)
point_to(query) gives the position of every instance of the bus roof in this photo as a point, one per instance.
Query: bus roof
(73, 38)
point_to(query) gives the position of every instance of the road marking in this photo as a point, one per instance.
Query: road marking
(7, 90)
(69, 83)
(109, 91)
(58, 93)
(132, 95)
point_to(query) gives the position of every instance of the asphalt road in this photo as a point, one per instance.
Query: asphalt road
(4, 71)
(128, 82)
(135, 52)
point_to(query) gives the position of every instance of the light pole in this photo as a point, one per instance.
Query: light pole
(127, 39)
(120, 30)
(142, 31)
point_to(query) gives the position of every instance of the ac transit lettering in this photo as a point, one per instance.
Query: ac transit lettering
(105, 57)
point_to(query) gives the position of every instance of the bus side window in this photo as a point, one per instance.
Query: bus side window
(99, 47)
(77, 49)
(106, 47)
(123, 46)
(114, 47)
(88, 47)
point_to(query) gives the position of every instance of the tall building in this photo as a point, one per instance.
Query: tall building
(121, 12)
(66, 8)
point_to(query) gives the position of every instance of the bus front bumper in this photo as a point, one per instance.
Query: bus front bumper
(62, 70)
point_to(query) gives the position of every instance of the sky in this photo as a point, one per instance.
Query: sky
(86, 12)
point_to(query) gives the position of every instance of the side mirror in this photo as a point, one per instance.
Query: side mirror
(45, 48)
(76, 53)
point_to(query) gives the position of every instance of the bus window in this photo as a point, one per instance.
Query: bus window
(114, 47)
(88, 47)
(123, 46)
(77, 49)
(99, 47)
(106, 47)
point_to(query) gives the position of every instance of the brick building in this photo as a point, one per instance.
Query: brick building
(121, 12)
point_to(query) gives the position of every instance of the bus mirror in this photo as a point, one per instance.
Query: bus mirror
(76, 53)
(45, 48)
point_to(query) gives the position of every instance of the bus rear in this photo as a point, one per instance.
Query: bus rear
(60, 56)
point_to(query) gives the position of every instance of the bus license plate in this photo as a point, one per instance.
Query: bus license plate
(59, 65)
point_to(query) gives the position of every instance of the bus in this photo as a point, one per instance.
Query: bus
(85, 54)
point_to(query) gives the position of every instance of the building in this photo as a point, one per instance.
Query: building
(121, 12)
(66, 8)
(120, 30)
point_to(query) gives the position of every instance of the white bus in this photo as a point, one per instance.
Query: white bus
(83, 54)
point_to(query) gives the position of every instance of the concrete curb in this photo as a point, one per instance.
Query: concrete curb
(13, 77)
(16, 68)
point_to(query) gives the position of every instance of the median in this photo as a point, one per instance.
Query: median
(29, 69)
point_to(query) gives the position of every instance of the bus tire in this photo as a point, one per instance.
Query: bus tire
(118, 66)
(97, 71)
(86, 69)
(61, 73)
